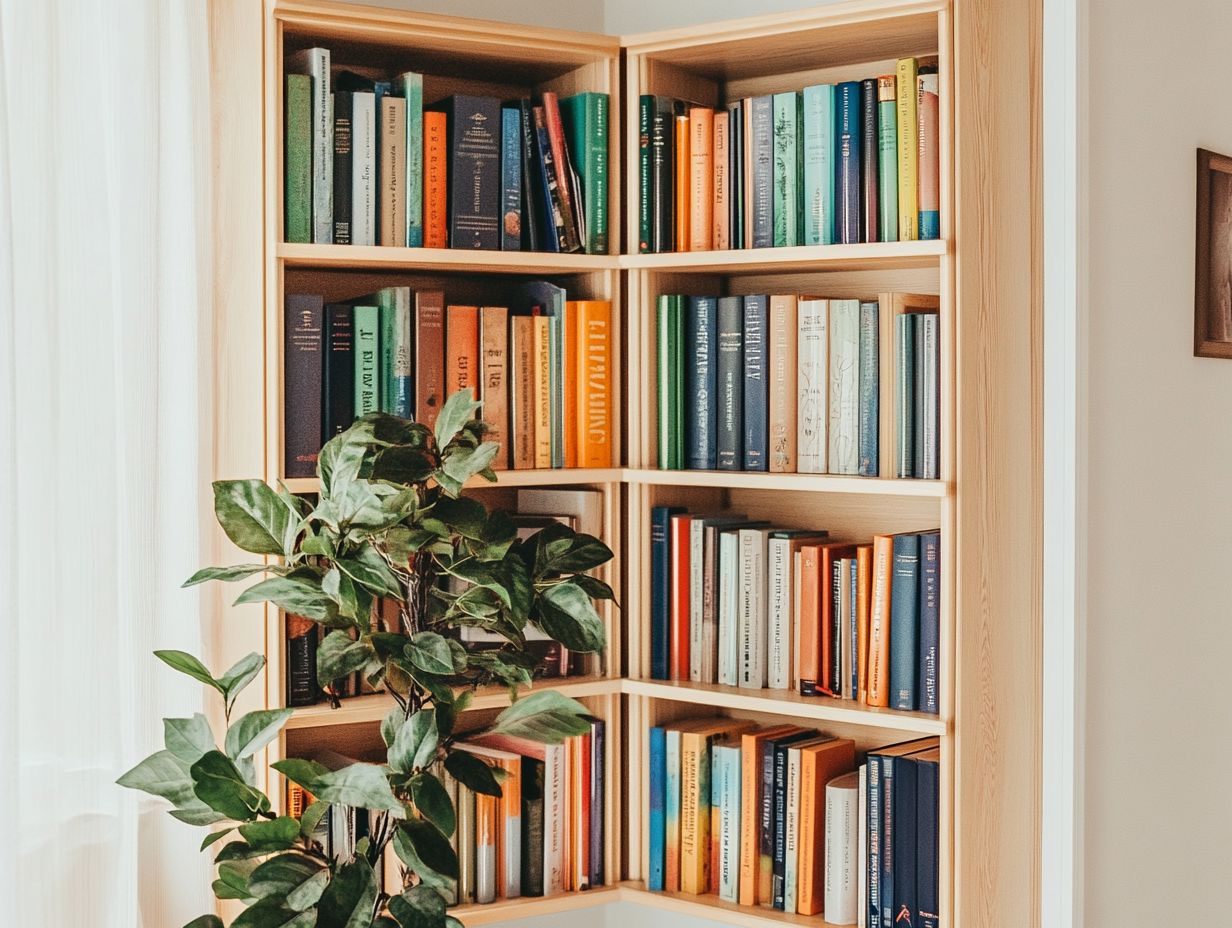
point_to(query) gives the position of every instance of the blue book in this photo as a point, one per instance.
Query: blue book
(511, 179)
(549, 205)
(904, 838)
(930, 621)
(729, 384)
(904, 394)
(869, 386)
(660, 589)
(700, 444)
(927, 814)
(779, 789)
(847, 182)
(904, 620)
(872, 825)
(658, 796)
(886, 890)
(756, 384)
(761, 150)
(551, 302)
(817, 133)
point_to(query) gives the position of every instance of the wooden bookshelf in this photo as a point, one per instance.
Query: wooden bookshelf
(984, 271)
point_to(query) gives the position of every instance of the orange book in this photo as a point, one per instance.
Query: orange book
(864, 595)
(594, 379)
(572, 384)
(461, 349)
(543, 392)
(819, 764)
(750, 806)
(435, 182)
(829, 683)
(808, 621)
(678, 630)
(721, 237)
(879, 622)
(494, 381)
(681, 178)
(701, 177)
(487, 813)
(522, 395)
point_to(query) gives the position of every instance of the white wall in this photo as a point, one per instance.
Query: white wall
(623, 17)
(1159, 635)
(583, 15)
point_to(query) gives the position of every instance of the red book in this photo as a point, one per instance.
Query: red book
(678, 631)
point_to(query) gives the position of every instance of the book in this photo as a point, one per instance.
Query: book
(655, 817)
(662, 174)
(391, 168)
(727, 617)
(791, 838)
(749, 155)
(782, 371)
(429, 366)
(904, 620)
(337, 372)
(862, 850)
(562, 166)
(887, 158)
(548, 301)
(729, 383)
(410, 86)
(817, 146)
(773, 801)
(397, 351)
(505, 816)
(699, 372)
(720, 237)
(302, 637)
(668, 311)
(927, 852)
(595, 382)
(695, 789)
(661, 577)
(808, 622)
(435, 181)
(535, 221)
(315, 62)
(367, 360)
(543, 388)
(848, 208)
(532, 827)
(869, 385)
(872, 829)
(906, 111)
(681, 163)
(596, 820)
(522, 412)
(898, 869)
(844, 605)
(870, 178)
(927, 438)
(585, 117)
(786, 169)
(701, 178)
(494, 379)
(821, 762)
(473, 202)
(726, 777)
(841, 851)
(303, 347)
(297, 140)
(928, 155)
(930, 623)
(781, 548)
(831, 625)
(879, 622)
(761, 155)
(466, 828)
(511, 179)
(679, 616)
(671, 811)
(844, 426)
(904, 396)
(706, 595)
(864, 596)
(645, 193)
(756, 384)
(736, 175)
(363, 169)
(462, 349)
(753, 791)
(751, 627)
(343, 160)
(812, 385)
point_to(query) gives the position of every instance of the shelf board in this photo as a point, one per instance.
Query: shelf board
(372, 708)
(532, 906)
(870, 256)
(814, 483)
(556, 477)
(462, 260)
(788, 703)
(711, 907)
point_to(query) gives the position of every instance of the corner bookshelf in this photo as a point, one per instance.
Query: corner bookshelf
(983, 270)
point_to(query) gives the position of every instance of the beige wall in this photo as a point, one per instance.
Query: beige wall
(623, 17)
(1159, 632)
(584, 15)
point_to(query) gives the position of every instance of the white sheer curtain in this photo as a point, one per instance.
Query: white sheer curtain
(104, 419)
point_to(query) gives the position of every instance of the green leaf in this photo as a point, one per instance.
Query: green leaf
(464, 515)
(215, 837)
(218, 783)
(253, 516)
(431, 847)
(350, 898)
(297, 595)
(583, 553)
(390, 724)
(593, 587)
(161, 774)
(272, 834)
(270, 913)
(339, 654)
(225, 574)
(459, 409)
(318, 545)
(568, 615)
(254, 731)
(188, 738)
(243, 672)
(187, 664)
(415, 742)
(232, 882)
(463, 464)
(547, 716)
(312, 817)
(361, 785)
(298, 879)
(206, 921)
(354, 602)
(301, 772)
(341, 458)
(418, 907)
(472, 772)
(430, 653)
(197, 813)
(403, 465)
(369, 568)
(433, 802)
(404, 847)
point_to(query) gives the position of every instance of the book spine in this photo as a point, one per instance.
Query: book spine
(765, 834)
(682, 166)
(872, 828)
(779, 856)
(887, 159)
(870, 388)
(756, 387)
(864, 598)
(729, 598)
(556, 222)
(930, 622)
(429, 355)
(367, 360)
(338, 374)
(721, 234)
(904, 393)
(343, 167)
(786, 170)
(819, 164)
(750, 817)
(700, 424)
(297, 189)
(596, 419)
(729, 384)
(363, 169)
(522, 391)
(391, 221)
(844, 453)
(645, 192)
(701, 178)
(736, 175)
(783, 370)
(808, 621)
(511, 179)
(303, 334)
(908, 150)
(662, 172)
(532, 827)
(835, 685)
(762, 157)
(697, 586)
(862, 851)
(543, 391)
(509, 831)
(694, 812)
(385, 313)
(656, 823)
(779, 613)
(485, 848)
(598, 790)
(728, 773)
(318, 68)
(680, 613)
(928, 450)
(462, 349)
(842, 824)
(466, 845)
(904, 621)
(879, 622)
(746, 108)
(808, 891)
(791, 840)
(752, 609)
(436, 181)
(665, 329)
(585, 118)
(302, 685)
(474, 126)
(562, 330)
(903, 837)
(410, 85)
(847, 187)
(851, 669)
(927, 816)
(928, 109)
(870, 206)
(563, 172)
(494, 380)
(812, 386)
(555, 818)
(534, 221)
(671, 813)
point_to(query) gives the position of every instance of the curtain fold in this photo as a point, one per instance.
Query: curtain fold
(105, 345)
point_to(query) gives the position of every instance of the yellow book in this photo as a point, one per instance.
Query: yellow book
(592, 383)
(908, 152)
(695, 844)
(543, 393)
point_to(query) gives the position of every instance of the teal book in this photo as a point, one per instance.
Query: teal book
(297, 193)
(645, 198)
(887, 159)
(511, 178)
(817, 133)
(655, 839)
(904, 395)
(585, 118)
(869, 386)
(786, 171)
(904, 621)
(410, 86)
(367, 354)
(396, 351)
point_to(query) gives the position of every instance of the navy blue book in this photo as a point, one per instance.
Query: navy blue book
(656, 840)
(511, 179)
(660, 589)
(761, 150)
(779, 846)
(598, 783)
(756, 385)
(553, 218)
(701, 323)
(930, 621)
(847, 203)
(869, 179)
(836, 625)
(886, 889)
(729, 384)
(338, 372)
(905, 903)
(534, 229)
(473, 133)
(342, 166)
(904, 620)
(869, 386)
(872, 826)
(927, 848)
(735, 175)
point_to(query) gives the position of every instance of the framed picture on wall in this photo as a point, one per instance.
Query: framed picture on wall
(1213, 274)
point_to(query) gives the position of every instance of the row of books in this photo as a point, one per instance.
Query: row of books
(580, 510)
(542, 365)
(794, 384)
(853, 162)
(783, 818)
(367, 163)
(738, 602)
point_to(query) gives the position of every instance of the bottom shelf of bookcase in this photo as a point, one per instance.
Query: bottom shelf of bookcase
(504, 910)
(713, 908)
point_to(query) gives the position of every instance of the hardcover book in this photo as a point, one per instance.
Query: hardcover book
(681, 166)
(729, 384)
(812, 386)
(363, 168)
(761, 155)
(783, 371)
(657, 828)
(786, 169)
(701, 178)
(662, 174)
(756, 385)
(297, 190)
(391, 167)
(887, 158)
(594, 382)
(494, 379)
(870, 213)
(817, 121)
(908, 151)
(429, 363)
(343, 156)
(700, 423)
(522, 390)
(315, 62)
(338, 372)
(904, 621)
(847, 186)
(736, 174)
(397, 352)
(930, 622)
(436, 181)
(870, 390)
(585, 118)
(928, 154)
(721, 237)
(645, 194)
(511, 178)
(844, 453)
(410, 86)
(367, 360)
(473, 126)
(303, 334)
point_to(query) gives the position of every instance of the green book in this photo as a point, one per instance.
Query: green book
(585, 118)
(297, 194)
(786, 170)
(904, 394)
(410, 85)
(366, 325)
(396, 351)
(887, 159)
(817, 145)
(645, 206)
(666, 341)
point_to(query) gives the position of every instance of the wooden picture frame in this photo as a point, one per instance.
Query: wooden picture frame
(1213, 257)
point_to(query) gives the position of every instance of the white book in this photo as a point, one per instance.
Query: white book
(315, 63)
(844, 453)
(751, 615)
(845, 566)
(791, 845)
(729, 606)
(697, 584)
(862, 850)
(509, 818)
(926, 364)
(555, 817)
(842, 808)
(778, 612)
(812, 384)
(726, 767)
(363, 168)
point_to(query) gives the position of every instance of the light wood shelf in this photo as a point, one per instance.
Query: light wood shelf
(535, 906)
(557, 477)
(712, 908)
(445, 260)
(864, 257)
(800, 483)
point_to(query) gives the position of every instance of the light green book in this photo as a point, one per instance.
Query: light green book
(297, 172)
(366, 322)
(887, 159)
(410, 85)
(817, 145)
(786, 170)
(396, 351)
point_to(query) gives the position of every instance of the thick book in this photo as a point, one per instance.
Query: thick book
(304, 339)
(511, 179)
(847, 183)
(302, 636)
(820, 764)
(429, 355)
(367, 325)
(494, 379)
(397, 352)
(661, 590)
(343, 158)
(680, 181)
(720, 238)
(930, 623)
(391, 170)
(315, 62)
(812, 385)
(363, 168)
(699, 372)
(771, 845)
(784, 111)
(761, 156)
(662, 174)
(535, 220)
(904, 393)
(729, 383)
(668, 369)
(752, 792)
(595, 384)
(844, 452)
(435, 181)
(870, 390)
(337, 372)
(756, 384)
(841, 849)
(585, 117)
(566, 176)
(782, 371)
(736, 174)
(297, 142)
(656, 826)
(870, 205)
(817, 146)
(751, 627)
(461, 349)
(522, 391)
(928, 115)
(532, 827)
(645, 193)
(410, 86)
(701, 178)
(473, 132)
(908, 150)
(927, 838)
(904, 621)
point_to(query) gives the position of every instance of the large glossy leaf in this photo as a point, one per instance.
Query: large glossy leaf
(270, 913)
(275, 834)
(430, 653)
(403, 465)
(339, 654)
(161, 774)
(404, 847)
(547, 716)
(253, 516)
(296, 878)
(188, 738)
(312, 817)
(232, 882)
(254, 731)
(340, 460)
(301, 772)
(464, 463)
(418, 907)
(568, 615)
(593, 587)
(205, 921)
(349, 899)
(353, 601)
(464, 515)
(196, 813)
(226, 574)
(187, 664)
(219, 784)
(459, 409)
(472, 772)
(369, 568)
(431, 847)
(583, 553)
(297, 595)
(242, 672)
(415, 742)
(362, 785)
(433, 802)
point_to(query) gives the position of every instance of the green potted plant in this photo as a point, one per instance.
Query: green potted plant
(390, 523)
